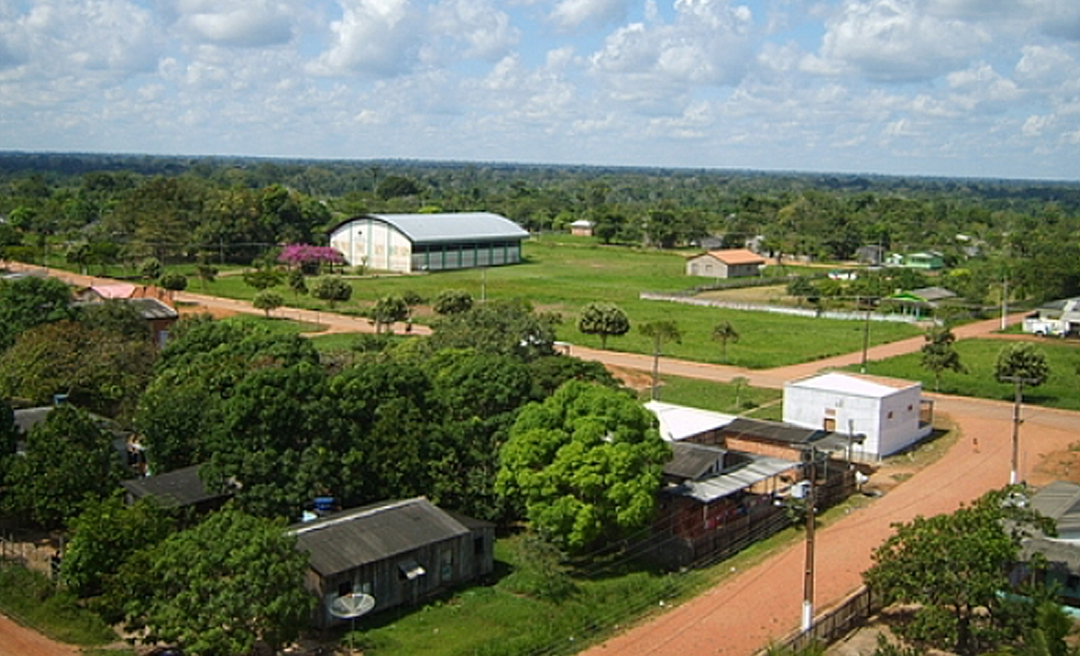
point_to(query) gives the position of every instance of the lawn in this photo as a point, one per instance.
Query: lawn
(1061, 389)
(563, 276)
(758, 402)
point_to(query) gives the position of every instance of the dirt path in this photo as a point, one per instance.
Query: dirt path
(16, 640)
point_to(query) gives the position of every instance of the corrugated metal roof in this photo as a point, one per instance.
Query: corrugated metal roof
(759, 468)
(1060, 501)
(151, 308)
(366, 535)
(678, 422)
(453, 226)
(693, 461)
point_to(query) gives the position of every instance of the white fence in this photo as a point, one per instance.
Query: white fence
(855, 315)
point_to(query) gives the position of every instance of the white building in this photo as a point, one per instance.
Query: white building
(890, 413)
(429, 242)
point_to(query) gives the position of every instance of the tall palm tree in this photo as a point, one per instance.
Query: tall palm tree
(659, 332)
(724, 332)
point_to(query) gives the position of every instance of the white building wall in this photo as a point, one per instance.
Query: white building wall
(375, 244)
(890, 423)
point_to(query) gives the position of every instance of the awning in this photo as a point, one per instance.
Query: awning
(411, 569)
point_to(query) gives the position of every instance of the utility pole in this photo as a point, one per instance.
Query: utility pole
(1018, 400)
(1004, 300)
(808, 579)
(865, 338)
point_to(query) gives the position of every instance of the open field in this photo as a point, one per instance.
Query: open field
(563, 277)
(1061, 390)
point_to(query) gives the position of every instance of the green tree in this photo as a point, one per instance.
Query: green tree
(173, 281)
(585, 465)
(217, 588)
(396, 186)
(659, 332)
(604, 319)
(262, 278)
(68, 460)
(724, 332)
(1022, 363)
(102, 536)
(297, 283)
(104, 372)
(509, 327)
(387, 311)
(331, 289)
(206, 272)
(150, 268)
(115, 316)
(952, 568)
(452, 301)
(267, 301)
(31, 301)
(939, 354)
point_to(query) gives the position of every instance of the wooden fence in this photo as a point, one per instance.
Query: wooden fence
(833, 625)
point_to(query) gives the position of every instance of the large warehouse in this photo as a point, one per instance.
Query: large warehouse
(429, 242)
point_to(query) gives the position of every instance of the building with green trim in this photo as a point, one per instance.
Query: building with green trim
(408, 243)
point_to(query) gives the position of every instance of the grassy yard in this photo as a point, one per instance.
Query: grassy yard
(756, 402)
(564, 276)
(1061, 389)
(31, 599)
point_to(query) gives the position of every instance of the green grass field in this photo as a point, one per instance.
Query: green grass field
(1061, 389)
(563, 276)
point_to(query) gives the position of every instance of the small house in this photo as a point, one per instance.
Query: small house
(923, 261)
(727, 263)
(180, 488)
(890, 413)
(399, 552)
(1059, 318)
(1059, 557)
(582, 228)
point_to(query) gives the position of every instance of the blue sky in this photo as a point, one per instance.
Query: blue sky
(983, 88)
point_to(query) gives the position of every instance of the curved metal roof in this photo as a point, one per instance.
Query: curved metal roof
(449, 226)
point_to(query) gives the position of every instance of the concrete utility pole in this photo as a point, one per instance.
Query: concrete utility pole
(1018, 400)
(808, 580)
(865, 338)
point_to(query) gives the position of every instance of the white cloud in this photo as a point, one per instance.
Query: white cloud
(895, 40)
(239, 23)
(374, 37)
(573, 14)
(707, 43)
(485, 30)
(1057, 17)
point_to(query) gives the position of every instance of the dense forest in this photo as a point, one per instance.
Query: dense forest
(94, 209)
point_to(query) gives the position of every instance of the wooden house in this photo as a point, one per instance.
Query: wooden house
(399, 552)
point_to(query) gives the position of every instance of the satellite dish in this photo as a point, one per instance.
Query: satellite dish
(352, 605)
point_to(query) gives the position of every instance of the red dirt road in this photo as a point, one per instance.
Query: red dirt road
(16, 640)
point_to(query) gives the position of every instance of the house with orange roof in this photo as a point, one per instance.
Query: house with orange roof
(727, 263)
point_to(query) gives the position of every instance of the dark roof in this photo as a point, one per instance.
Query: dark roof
(178, 488)
(692, 461)
(772, 431)
(347, 540)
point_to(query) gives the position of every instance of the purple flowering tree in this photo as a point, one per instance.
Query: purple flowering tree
(310, 259)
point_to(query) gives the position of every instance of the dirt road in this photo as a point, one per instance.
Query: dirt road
(16, 640)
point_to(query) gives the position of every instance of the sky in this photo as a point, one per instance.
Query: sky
(964, 88)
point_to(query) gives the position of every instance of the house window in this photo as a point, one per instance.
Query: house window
(446, 570)
(890, 414)
(344, 588)
(410, 569)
